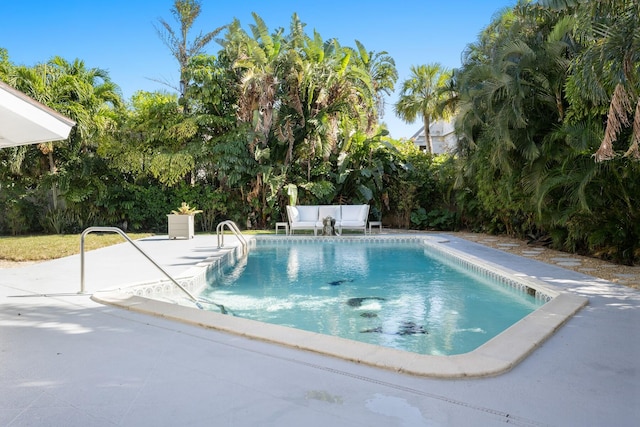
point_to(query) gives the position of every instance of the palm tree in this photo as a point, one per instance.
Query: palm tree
(382, 70)
(334, 90)
(304, 99)
(259, 61)
(87, 96)
(511, 87)
(421, 94)
(616, 53)
(185, 12)
(607, 71)
(296, 89)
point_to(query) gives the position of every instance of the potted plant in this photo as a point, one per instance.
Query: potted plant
(181, 222)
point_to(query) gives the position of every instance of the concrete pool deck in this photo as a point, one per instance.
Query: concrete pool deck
(67, 360)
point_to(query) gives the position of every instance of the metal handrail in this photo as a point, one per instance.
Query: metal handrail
(123, 234)
(235, 230)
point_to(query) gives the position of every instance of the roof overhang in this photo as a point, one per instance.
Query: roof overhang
(24, 120)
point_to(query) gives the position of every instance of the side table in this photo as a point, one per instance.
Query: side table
(375, 224)
(284, 225)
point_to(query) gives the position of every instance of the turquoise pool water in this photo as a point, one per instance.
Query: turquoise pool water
(384, 293)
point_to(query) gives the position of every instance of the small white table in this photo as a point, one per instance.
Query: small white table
(375, 224)
(284, 225)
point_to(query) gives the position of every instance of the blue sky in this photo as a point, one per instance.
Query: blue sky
(119, 35)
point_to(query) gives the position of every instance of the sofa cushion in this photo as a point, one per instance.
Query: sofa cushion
(354, 213)
(307, 213)
(329, 210)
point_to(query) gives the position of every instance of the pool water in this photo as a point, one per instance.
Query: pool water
(393, 294)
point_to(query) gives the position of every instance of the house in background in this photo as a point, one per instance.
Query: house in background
(443, 137)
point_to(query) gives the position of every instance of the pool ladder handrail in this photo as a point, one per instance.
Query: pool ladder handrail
(123, 234)
(235, 230)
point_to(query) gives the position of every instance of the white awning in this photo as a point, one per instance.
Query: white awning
(26, 121)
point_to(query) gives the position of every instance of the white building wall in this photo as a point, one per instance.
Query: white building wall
(443, 137)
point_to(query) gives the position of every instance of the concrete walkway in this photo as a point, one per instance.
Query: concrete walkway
(66, 360)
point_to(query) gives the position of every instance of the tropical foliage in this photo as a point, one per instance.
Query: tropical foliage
(546, 103)
(271, 109)
(547, 87)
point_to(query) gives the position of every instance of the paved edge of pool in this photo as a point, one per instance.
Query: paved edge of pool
(496, 356)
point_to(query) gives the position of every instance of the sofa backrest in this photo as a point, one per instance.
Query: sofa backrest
(292, 214)
(307, 213)
(311, 213)
(355, 212)
(329, 210)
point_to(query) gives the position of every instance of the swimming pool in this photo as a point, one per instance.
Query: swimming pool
(389, 293)
(496, 356)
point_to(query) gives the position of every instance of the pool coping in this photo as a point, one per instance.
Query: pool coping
(496, 356)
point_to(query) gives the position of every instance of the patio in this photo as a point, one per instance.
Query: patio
(69, 361)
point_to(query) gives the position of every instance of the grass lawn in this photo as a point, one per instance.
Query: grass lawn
(42, 248)
(45, 247)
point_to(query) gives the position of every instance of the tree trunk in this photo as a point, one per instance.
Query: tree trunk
(427, 134)
(54, 187)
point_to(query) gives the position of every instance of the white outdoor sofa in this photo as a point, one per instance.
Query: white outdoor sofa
(348, 217)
